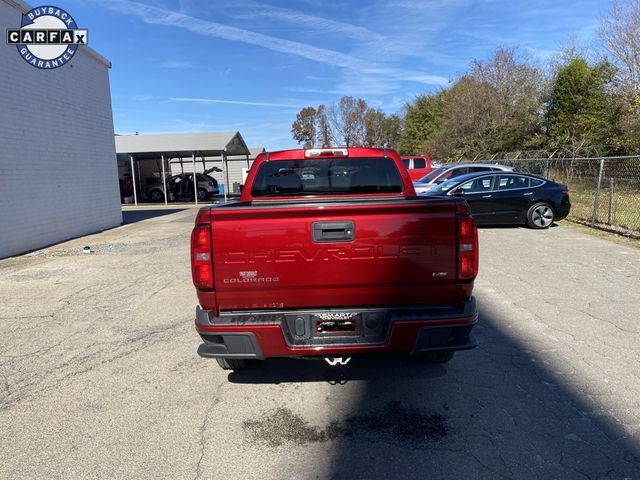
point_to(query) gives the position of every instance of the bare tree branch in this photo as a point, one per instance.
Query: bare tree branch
(620, 32)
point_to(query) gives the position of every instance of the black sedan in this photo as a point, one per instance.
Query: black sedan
(509, 198)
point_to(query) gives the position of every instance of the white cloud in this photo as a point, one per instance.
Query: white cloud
(232, 102)
(303, 21)
(159, 16)
(177, 65)
(143, 97)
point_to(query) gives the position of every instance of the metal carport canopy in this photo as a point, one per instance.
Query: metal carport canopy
(180, 145)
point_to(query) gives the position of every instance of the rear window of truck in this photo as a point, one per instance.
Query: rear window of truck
(327, 176)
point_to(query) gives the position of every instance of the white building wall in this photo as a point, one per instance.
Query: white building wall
(58, 174)
(235, 171)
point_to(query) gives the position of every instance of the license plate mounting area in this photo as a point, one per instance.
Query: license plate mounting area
(336, 324)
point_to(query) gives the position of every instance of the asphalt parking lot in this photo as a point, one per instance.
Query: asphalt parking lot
(99, 376)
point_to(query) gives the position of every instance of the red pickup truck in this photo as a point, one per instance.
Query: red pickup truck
(330, 253)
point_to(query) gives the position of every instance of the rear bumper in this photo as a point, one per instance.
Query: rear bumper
(293, 333)
(564, 208)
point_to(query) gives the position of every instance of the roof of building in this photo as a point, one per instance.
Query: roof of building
(172, 145)
(253, 153)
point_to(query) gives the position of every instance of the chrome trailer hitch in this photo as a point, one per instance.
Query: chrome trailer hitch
(334, 361)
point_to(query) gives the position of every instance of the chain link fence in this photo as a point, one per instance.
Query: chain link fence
(605, 192)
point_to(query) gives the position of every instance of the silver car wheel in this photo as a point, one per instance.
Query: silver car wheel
(542, 216)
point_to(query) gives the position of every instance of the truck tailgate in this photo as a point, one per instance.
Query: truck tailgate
(334, 254)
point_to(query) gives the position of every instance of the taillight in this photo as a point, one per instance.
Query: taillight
(210, 183)
(467, 248)
(201, 264)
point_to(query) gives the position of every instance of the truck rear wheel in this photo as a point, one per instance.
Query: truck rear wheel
(232, 363)
(442, 356)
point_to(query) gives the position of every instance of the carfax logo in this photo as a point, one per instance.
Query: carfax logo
(48, 37)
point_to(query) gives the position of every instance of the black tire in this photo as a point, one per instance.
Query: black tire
(440, 356)
(232, 363)
(540, 216)
(202, 194)
(156, 195)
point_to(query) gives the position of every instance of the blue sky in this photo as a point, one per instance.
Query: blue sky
(190, 65)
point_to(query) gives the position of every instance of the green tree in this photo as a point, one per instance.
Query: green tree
(392, 128)
(381, 129)
(422, 118)
(628, 140)
(583, 115)
(497, 106)
(467, 114)
(516, 99)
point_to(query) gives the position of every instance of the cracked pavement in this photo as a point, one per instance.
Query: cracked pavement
(99, 376)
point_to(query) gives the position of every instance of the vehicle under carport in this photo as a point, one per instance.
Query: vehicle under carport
(180, 149)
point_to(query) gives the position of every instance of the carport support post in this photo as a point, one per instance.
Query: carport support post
(133, 180)
(164, 181)
(226, 173)
(248, 167)
(596, 199)
(195, 181)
